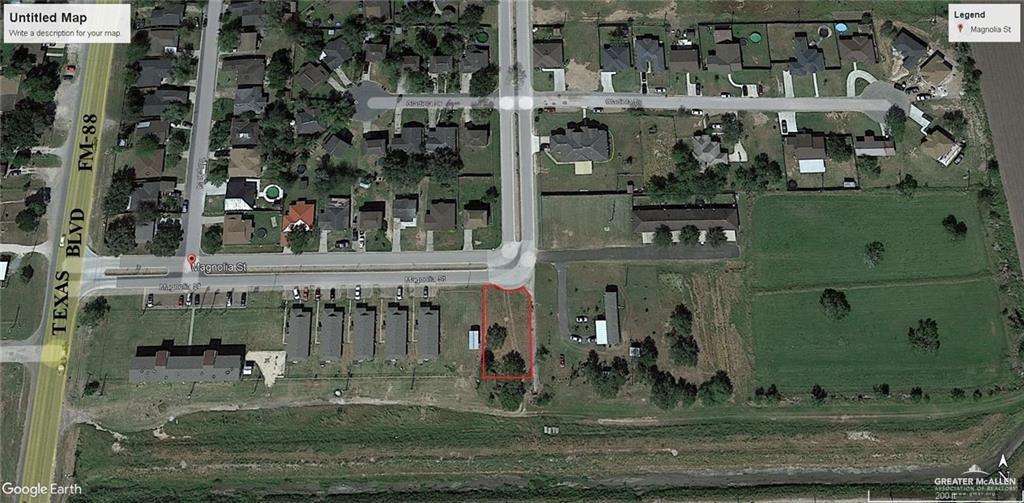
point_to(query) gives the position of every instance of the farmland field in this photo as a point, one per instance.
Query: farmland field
(804, 240)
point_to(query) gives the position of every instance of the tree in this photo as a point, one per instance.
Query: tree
(957, 394)
(94, 311)
(681, 320)
(771, 394)
(23, 126)
(667, 391)
(217, 171)
(834, 303)
(230, 34)
(759, 175)
(819, 393)
(27, 272)
(686, 181)
(916, 393)
(716, 237)
(907, 185)
(955, 122)
(881, 389)
(17, 60)
(279, 70)
(896, 122)
(147, 211)
(28, 218)
(868, 165)
(167, 238)
(177, 143)
(838, 148)
(119, 235)
(184, 67)
(925, 337)
(496, 335)
(732, 128)
(689, 235)
(443, 166)
(147, 145)
(331, 175)
(647, 361)
(213, 239)
(663, 236)
(484, 81)
(684, 350)
(874, 252)
(469, 21)
(606, 379)
(301, 238)
(717, 389)
(957, 229)
(41, 82)
(176, 112)
(122, 182)
(139, 47)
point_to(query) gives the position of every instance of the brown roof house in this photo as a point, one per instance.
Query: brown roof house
(238, 229)
(936, 69)
(371, 216)
(809, 151)
(310, 76)
(548, 55)
(648, 219)
(724, 57)
(684, 58)
(440, 215)
(477, 214)
(244, 163)
(941, 146)
(150, 166)
(857, 47)
(870, 145)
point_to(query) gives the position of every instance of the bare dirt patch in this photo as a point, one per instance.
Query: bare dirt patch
(549, 16)
(667, 11)
(580, 77)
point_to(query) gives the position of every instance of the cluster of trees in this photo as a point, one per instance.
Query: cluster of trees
(868, 165)
(957, 229)
(907, 186)
(230, 34)
(606, 378)
(167, 238)
(834, 304)
(485, 81)
(683, 346)
(213, 238)
(405, 171)
(94, 311)
(956, 122)
(732, 128)
(118, 194)
(759, 174)
(925, 336)
(969, 70)
(838, 148)
(279, 70)
(119, 235)
(896, 122)
(33, 114)
(28, 219)
(687, 182)
(668, 391)
(507, 393)
(496, 335)
(301, 239)
(874, 253)
(278, 146)
(771, 394)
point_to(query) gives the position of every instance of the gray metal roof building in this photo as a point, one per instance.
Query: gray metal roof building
(332, 330)
(300, 325)
(808, 58)
(213, 362)
(615, 58)
(396, 332)
(580, 142)
(611, 313)
(428, 331)
(650, 54)
(364, 330)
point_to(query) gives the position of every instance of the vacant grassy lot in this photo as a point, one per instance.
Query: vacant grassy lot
(804, 240)
(586, 221)
(23, 300)
(12, 195)
(13, 403)
(797, 346)
(260, 325)
(512, 310)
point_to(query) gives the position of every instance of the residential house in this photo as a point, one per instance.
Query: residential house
(477, 135)
(476, 58)
(301, 216)
(249, 70)
(332, 332)
(404, 211)
(244, 163)
(153, 72)
(338, 144)
(809, 150)
(859, 47)
(240, 194)
(250, 99)
(158, 128)
(149, 166)
(442, 136)
(8, 93)
(380, 9)
(936, 69)
(428, 332)
(396, 332)
(248, 41)
(440, 215)
(708, 151)
(649, 54)
(911, 47)
(336, 53)
(364, 333)
(375, 51)
(250, 11)
(684, 58)
(237, 229)
(722, 33)
(580, 142)
(375, 142)
(154, 104)
(940, 145)
(168, 15)
(410, 140)
(306, 122)
(548, 55)
(170, 363)
(609, 335)
(245, 134)
(648, 219)
(150, 192)
(615, 58)
(724, 57)
(337, 214)
(476, 215)
(371, 217)
(807, 58)
(440, 64)
(873, 146)
(409, 63)
(310, 77)
(300, 331)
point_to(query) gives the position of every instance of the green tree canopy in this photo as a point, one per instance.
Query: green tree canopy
(94, 311)
(167, 238)
(717, 389)
(834, 304)
(119, 235)
(924, 337)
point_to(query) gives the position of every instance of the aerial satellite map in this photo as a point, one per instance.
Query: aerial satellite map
(511, 250)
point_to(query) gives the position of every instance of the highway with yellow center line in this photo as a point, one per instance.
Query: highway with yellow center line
(62, 306)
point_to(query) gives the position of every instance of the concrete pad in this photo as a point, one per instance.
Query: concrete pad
(606, 82)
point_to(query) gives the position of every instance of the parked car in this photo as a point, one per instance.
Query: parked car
(342, 244)
(398, 293)
(197, 300)
(426, 292)
(899, 86)
(911, 89)
(243, 299)
(598, 109)
(247, 367)
(726, 95)
(785, 127)
(149, 300)
(188, 299)
(923, 97)
(660, 90)
(717, 126)
(581, 319)
(561, 360)
(316, 294)
(228, 303)
(359, 292)
(696, 111)
(592, 339)
(331, 294)
(63, 240)
(305, 293)
(295, 293)
(184, 206)
(575, 338)
(959, 159)
(181, 300)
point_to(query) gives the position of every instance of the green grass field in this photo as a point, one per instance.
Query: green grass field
(804, 240)
(586, 221)
(23, 300)
(13, 403)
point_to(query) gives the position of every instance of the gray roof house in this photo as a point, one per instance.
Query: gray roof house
(477, 135)
(250, 99)
(375, 142)
(162, 41)
(332, 331)
(440, 215)
(428, 331)
(547, 54)
(441, 64)
(375, 51)
(306, 122)
(338, 144)
(244, 133)
(649, 218)
(310, 76)
(336, 215)
(649, 54)
(144, 230)
(873, 146)
(150, 191)
(475, 58)
(442, 136)
(153, 104)
(857, 47)
(153, 71)
(168, 14)
(364, 333)
(396, 332)
(371, 216)
(251, 12)
(709, 151)
(615, 58)
(580, 142)
(808, 58)
(213, 362)
(911, 47)
(404, 210)
(249, 70)
(240, 194)
(300, 326)
(724, 57)
(410, 140)
(684, 58)
(611, 314)
(336, 53)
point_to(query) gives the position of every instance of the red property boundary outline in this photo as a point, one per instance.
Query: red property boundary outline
(483, 335)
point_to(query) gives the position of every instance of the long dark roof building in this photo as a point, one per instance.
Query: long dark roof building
(364, 331)
(213, 362)
(649, 218)
(580, 142)
(650, 54)
(428, 331)
(911, 47)
(332, 330)
(396, 332)
(300, 326)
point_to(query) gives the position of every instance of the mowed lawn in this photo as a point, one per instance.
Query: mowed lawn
(796, 346)
(803, 240)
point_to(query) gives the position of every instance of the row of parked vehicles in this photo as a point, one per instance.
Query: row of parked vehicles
(190, 299)
(304, 293)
